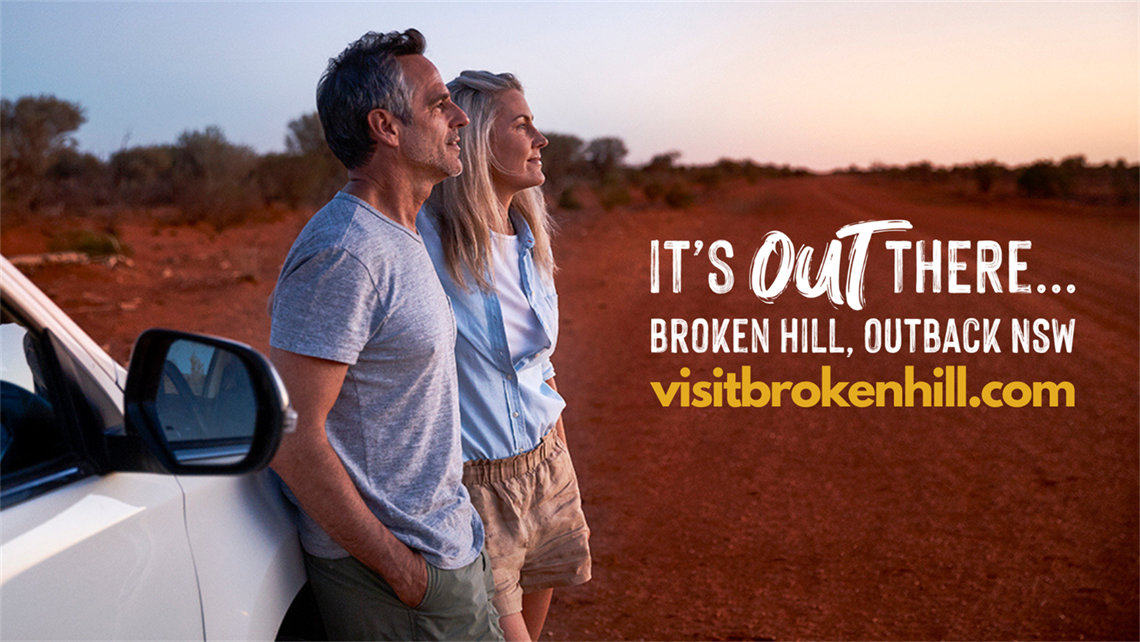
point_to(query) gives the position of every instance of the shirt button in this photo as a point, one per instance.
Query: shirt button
(516, 414)
(510, 377)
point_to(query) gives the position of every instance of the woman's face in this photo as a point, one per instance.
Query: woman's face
(515, 145)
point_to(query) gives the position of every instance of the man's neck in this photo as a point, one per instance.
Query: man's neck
(392, 194)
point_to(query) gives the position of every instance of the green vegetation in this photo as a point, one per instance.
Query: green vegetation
(598, 166)
(35, 131)
(1071, 179)
(202, 176)
(213, 178)
(208, 179)
(614, 193)
(567, 200)
(678, 196)
(93, 244)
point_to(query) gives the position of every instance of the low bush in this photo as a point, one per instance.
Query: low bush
(568, 200)
(678, 196)
(94, 244)
(614, 195)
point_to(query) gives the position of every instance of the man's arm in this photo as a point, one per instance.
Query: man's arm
(314, 473)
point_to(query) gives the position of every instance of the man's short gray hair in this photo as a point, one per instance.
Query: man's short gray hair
(365, 76)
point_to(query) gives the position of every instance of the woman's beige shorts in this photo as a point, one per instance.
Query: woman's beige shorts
(536, 534)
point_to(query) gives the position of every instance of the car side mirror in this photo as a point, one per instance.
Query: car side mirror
(204, 405)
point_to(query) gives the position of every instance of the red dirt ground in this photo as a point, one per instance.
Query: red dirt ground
(784, 523)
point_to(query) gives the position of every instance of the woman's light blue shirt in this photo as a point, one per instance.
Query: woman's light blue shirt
(505, 408)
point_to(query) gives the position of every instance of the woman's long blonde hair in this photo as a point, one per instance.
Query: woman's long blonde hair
(463, 207)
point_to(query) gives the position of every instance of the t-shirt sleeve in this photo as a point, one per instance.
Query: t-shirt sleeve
(326, 305)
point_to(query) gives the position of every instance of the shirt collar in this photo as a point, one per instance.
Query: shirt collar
(526, 238)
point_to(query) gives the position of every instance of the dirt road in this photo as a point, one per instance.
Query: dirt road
(849, 523)
(789, 522)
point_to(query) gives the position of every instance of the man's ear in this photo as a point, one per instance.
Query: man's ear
(384, 127)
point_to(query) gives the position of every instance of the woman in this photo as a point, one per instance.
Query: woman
(488, 233)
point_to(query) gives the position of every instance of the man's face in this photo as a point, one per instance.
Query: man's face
(431, 140)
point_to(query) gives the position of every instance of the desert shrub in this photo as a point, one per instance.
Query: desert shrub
(34, 130)
(750, 170)
(90, 243)
(604, 156)
(1073, 166)
(985, 175)
(654, 191)
(306, 136)
(568, 200)
(1043, 179)
(729, 168)
(144, 175)
(678, 195)
(613, 195)
(71, 164)
(662, 163)
(710, 178)
(77, 179)
(308, 173)
(653, 176)
(922, 171)
(295, 180)
(212, 179)
(1125, 182)
(1072, 178)
(561, 159)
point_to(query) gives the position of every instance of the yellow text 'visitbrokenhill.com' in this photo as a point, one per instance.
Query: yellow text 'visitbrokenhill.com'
(949, 390)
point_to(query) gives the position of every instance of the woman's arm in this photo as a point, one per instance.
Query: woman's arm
(558, 426)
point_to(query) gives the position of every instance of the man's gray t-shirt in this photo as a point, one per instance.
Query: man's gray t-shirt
(360, 289)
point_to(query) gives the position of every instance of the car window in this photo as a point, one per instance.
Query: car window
(31, 430)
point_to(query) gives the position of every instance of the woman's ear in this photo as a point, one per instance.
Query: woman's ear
(384, 127)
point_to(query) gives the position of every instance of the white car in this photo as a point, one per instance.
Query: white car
(130, 503)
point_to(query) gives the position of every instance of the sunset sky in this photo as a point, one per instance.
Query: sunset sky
(820, 85)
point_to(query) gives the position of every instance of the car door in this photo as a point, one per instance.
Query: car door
(241, 532)
(84, 555)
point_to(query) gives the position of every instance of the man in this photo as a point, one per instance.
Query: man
(364, 339)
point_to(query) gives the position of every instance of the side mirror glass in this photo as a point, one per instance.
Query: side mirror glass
(205, 405)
